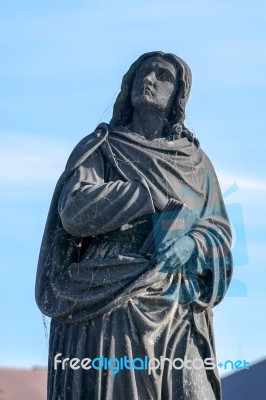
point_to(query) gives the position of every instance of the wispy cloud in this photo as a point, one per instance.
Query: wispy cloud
(227, 180)
(27, 160)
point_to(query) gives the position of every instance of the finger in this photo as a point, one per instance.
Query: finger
(163, 257)
(160, 265)
(164, 247)
(168, 265)
(167, 241)
(170, 252)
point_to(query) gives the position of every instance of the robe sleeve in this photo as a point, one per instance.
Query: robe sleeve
(89, 206)
(208, 273)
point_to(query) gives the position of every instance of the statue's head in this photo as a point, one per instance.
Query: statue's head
(174, 94)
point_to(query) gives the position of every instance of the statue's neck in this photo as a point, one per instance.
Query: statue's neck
(149, 123)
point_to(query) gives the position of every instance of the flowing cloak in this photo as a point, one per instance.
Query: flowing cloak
(121, 304)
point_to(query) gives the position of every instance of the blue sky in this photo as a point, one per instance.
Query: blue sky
(61, 69)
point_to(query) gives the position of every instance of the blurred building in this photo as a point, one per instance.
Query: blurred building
(23, 384)
(247, 384)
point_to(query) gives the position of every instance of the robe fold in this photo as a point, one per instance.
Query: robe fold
(107, 299)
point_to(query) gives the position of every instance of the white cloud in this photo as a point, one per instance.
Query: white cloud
(227, 180)
(27, 160)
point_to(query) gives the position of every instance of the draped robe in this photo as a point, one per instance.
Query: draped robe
(104, 297)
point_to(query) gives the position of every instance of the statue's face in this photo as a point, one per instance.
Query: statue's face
(154, 85)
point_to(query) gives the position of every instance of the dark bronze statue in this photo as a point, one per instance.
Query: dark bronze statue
(136, 251)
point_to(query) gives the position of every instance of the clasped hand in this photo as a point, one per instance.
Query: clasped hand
(173, 252)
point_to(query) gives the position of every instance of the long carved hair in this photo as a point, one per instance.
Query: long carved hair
(123, 109)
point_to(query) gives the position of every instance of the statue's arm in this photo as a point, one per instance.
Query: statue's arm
(89, 206)
(203, 254)
(209, 271)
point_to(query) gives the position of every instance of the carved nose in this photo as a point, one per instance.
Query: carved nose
(149, 78)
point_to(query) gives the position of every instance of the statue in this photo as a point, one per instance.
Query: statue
(136, 251)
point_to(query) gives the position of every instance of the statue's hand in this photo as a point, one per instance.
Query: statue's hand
(171, 254)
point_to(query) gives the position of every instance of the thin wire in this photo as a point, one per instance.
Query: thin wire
(189, 125)
(108, 106)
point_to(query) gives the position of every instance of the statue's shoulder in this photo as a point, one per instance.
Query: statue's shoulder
(87, 146)
(200, 157)
(208, 165)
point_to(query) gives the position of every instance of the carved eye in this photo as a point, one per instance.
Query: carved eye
(144, 72)
(161, 74)
(164, 75)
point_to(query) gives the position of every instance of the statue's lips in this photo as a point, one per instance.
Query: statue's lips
(148, 90)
